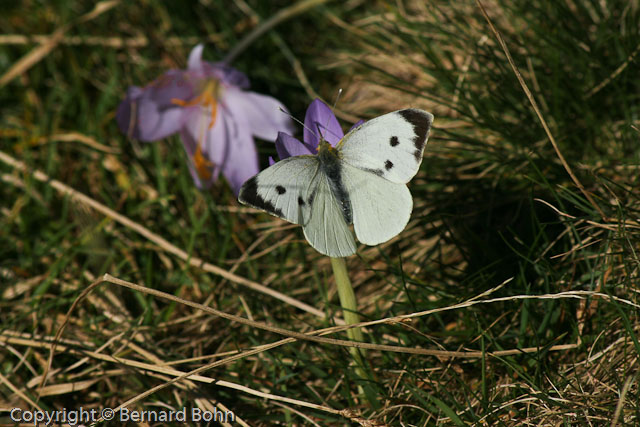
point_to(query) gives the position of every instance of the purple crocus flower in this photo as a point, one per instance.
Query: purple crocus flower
(216, 117)
(319, 121)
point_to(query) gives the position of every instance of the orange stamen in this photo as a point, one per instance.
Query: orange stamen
(204, 167)
(214, 110)
(180, 102)
(183, 103)
(208, 97)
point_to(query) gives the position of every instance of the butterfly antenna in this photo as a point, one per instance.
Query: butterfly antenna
(337, 98)
(296, 120)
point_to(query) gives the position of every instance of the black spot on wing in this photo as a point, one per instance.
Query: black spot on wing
(301, 201)
(421, 123)
(418, 155)
(394, 141)
(280, 189)
(388, 165)
(249, 195)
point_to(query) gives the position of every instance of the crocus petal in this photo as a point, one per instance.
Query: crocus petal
(126, 114)
(222, 71)
(262, 113)
(320, 118)
(287, 146)
(271, 161)
(217, 142)
(151, 113)
(194, 63)
(228, 75)
(155, 123)
(241, 162)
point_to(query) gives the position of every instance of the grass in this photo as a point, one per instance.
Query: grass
(521, 292)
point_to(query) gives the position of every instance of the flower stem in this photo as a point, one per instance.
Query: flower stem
(347, 298)
(349, 311)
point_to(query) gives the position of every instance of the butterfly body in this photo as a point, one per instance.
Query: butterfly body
(362, 181)
(329, 160)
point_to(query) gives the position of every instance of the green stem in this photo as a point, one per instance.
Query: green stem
(347, 298)
(349, 311)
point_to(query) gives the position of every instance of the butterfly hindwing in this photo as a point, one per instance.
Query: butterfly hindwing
(284, 189)
(327, 230)
(381, 209)
(389, 146)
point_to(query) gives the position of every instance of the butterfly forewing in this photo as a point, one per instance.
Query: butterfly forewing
(284, 189)
(389, 146)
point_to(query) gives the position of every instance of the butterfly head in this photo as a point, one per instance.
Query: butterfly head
(325, 149)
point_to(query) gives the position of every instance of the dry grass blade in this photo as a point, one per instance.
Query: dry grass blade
(161, 242)
(623, 395)
(561, 295)
(67, 387)
(78, 137)
(610, 227)
(60, 331)
(534, 105)
(615, 74)
(227, 384)
(18, 392)
(112, 42)
(35, 55)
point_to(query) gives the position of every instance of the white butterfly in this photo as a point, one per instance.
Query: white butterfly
(362, 181)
